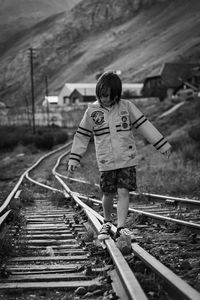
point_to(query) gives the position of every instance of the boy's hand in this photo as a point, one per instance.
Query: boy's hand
(70, 170)
(167, 153)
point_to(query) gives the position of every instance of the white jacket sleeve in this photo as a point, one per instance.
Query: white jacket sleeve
(148, 130)
(81, 140)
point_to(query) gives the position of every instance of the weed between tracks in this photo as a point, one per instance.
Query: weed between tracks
(13, 227)
(9, 239)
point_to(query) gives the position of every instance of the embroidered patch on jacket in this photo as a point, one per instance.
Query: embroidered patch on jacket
(124, 125)
(98, 117)
(123, 112)
(124, 120)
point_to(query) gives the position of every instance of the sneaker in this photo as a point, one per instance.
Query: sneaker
(105, 231)
(125, 231)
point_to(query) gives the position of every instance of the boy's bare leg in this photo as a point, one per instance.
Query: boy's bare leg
(107, 202)
(122, 206)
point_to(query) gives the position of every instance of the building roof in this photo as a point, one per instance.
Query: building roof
(86, 91)
(81, 87)
(50, 99)
(174, 74)
(132, 85)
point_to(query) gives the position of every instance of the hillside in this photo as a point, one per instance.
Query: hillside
(16, 17)
(134, 36)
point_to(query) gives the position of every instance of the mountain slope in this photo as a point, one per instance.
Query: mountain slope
(17, 16)
(134, 36)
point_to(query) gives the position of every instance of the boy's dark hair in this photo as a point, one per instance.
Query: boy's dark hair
(112, 81)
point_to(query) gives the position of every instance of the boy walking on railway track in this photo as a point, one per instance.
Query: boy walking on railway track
(111, 120)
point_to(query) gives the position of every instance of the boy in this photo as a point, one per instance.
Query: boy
(111, 120)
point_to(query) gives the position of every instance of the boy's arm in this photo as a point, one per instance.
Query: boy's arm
(80, 142)
(148, 130)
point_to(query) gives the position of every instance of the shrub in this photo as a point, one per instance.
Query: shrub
(45, 141)
(128, 94)
(60, 137)
(27, 139)
(177, 144)
(191, 152)
(8, 141)
(194, 133)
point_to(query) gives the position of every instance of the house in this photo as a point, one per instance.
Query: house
(170, 79)
(82, 95)
(154, 86)
(82, 88)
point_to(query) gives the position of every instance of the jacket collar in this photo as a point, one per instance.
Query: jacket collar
(96, 104)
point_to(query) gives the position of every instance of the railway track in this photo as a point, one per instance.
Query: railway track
(56, 248)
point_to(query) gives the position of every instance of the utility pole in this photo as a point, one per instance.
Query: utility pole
(27, 110)
(47, 95)
(31, 50)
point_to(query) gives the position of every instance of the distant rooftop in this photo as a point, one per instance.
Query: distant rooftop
(51, 100)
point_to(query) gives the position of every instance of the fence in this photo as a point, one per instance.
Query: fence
(59, 115)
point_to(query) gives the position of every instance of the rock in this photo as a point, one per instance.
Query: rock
(185, 265)
(124, 244)
(88, 295)
(80, 291)
(93, 288)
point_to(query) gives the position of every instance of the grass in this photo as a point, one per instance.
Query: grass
(176, 176)
(43, 139)
(8, 239)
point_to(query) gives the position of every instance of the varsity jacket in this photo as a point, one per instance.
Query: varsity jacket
(113, 135)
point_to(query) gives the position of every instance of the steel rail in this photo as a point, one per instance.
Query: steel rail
(5, 204)
(130, 283)
(4, 216)
(177, 286)
(165, 197)
(12, 194)
(39, 161)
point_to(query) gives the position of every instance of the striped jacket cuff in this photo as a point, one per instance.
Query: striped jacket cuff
(74, 156)
(161, 144)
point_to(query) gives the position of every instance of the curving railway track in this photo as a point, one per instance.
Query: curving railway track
(55, 251)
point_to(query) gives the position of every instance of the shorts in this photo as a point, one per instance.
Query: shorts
(110, 181)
